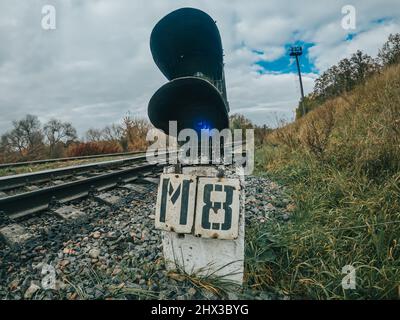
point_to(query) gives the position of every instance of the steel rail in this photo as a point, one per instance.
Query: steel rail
(35, 162)
(19, 180)
(28, 203)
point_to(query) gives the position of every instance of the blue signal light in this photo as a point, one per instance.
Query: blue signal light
(203, 125)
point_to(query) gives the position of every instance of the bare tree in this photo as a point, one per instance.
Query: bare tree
(58, 132)
(93, 135)
(116, 133)
(113, 133)
(239, 121)
(26, 138)
(135, 131)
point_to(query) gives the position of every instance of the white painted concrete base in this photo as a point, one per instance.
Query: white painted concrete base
(206, 256)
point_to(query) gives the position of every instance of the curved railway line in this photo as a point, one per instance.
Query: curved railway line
(13, 183)
(26, 194)
(36, 162)
(59, 191)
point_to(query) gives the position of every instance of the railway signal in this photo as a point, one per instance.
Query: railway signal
(186, 46)
(199, 209)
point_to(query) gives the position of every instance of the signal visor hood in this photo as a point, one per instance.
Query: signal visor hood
(192, 102)
(185, 42)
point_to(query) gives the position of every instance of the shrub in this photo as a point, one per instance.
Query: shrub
(92, 148)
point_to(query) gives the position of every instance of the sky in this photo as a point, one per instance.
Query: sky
(96, 65)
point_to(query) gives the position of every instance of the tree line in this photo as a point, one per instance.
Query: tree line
(349, 72)
(29, 139)
(239, 121)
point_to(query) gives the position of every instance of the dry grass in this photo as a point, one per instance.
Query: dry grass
(360, 129)
(205, 280)
(93, 148)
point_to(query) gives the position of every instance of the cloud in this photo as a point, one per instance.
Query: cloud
(369, 41)
(96, 65)
(265, 96)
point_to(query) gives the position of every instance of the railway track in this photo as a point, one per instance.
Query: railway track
(36, 162)
(9, 185)
(30, 218)
(76, 219)
(26, 194)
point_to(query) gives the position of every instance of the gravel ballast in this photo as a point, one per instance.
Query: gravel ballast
(114, 252)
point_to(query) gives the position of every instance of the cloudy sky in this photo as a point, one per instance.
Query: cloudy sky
(96, 65)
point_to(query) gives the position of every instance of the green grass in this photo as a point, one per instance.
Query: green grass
(341, 218)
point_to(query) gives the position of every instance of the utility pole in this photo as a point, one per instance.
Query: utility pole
(296, 52)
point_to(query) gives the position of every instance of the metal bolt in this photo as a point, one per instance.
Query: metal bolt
(220, 173)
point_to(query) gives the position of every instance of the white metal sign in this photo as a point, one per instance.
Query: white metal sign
(175, 203)
(217, 209)
(216, 201)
